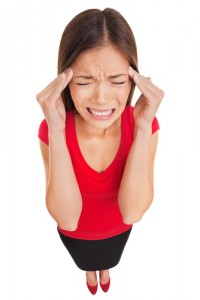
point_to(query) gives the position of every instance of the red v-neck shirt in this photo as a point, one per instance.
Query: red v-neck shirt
(100, 217)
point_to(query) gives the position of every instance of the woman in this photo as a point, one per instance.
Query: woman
(98, 150)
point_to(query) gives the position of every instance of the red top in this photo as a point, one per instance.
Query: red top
(100, 217)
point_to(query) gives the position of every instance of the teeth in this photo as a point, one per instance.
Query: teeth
(104, 113)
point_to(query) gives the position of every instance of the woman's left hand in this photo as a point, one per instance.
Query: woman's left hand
(149, 101)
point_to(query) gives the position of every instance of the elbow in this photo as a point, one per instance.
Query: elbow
(68, 227)
(65, 220)
(136, 214)
(130, 220)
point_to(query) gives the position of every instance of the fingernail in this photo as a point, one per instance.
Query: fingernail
(131, 71)
(66, 72)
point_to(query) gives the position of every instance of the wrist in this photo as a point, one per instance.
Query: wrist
(142, 131)
(56, 134)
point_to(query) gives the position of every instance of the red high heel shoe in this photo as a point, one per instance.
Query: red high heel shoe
(92, 288)
(105, 287)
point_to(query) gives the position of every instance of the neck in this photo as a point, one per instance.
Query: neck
(94, 132)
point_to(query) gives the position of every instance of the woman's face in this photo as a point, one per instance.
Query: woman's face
(100, 85)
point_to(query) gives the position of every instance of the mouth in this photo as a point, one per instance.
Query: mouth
(101, 114)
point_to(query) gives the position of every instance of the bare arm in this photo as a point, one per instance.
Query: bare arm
(137, 185)
(63, 198)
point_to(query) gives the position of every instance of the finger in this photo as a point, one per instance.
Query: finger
(55, 88)
(51, 84)
(63, 77)
(67, 75)
(54, 92)
(63, 80)
(134, 75)
(146, 87)
(144, 84)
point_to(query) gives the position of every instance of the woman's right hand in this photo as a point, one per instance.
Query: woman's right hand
(51, 101)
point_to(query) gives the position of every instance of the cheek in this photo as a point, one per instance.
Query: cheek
(77, 93)
(80, 94)
(73, 90)
(123, 93)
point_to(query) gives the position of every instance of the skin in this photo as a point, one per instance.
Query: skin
(101, 81)
(108, 88)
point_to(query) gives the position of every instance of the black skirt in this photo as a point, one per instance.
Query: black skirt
(93, 255)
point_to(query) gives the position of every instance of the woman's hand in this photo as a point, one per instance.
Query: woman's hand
(51, 101)
(149, 101)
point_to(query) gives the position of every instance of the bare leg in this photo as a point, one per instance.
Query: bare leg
(91, 278)
(104, 276)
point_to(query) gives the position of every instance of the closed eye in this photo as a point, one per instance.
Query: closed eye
(121, 82)
(83, 83)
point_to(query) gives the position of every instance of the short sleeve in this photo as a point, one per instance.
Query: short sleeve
(43, 132)
(155, 125)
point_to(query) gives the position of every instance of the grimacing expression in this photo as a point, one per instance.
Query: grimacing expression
(100, 85)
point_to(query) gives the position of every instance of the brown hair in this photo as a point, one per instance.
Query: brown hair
(95, 28)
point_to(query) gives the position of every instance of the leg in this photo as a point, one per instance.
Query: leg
(104, 276)
(91, 278)
(104, 280)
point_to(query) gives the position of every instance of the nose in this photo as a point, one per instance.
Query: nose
(101, 95)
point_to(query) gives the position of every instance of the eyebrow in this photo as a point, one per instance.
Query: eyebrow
(91, 77)
(117, 75)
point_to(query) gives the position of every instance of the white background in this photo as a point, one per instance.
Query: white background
(161, 259)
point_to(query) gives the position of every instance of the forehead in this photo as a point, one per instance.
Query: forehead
(106, 59)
